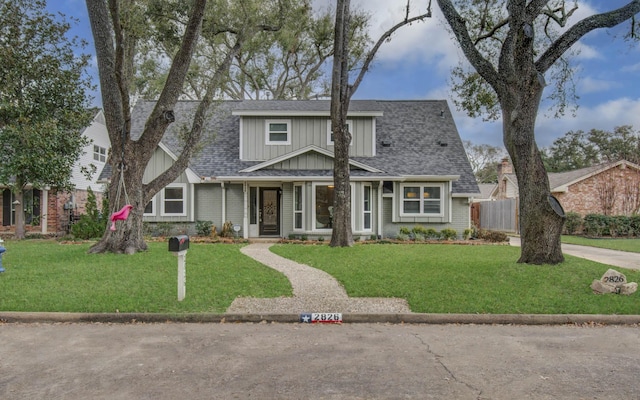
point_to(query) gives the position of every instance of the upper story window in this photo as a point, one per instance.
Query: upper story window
(422, 200)
(99, 153)
(278, 132)
(330, 132)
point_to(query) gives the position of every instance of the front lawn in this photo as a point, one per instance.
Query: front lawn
(48, 276)
(623, 244)
(444, 278)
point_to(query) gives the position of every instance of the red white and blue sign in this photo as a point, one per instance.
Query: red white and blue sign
(323, 318)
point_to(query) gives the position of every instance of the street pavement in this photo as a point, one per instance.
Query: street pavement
(315, 361)
(76, 356)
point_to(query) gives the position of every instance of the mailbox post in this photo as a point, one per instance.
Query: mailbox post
(179, 245)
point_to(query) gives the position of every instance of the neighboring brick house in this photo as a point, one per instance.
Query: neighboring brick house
(611, 188)
(48, 210)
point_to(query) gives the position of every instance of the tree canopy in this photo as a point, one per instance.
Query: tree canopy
(579, 149)
(44, 102)
(513, 47)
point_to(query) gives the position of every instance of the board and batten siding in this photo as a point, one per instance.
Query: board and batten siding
(159, 162)
(460, 217)
(305, 131)
(208, 204)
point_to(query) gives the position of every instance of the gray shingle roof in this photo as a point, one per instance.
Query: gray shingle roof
(417, 132)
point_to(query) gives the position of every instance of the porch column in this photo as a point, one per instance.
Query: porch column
(245, 207)
(44, 212)
(223, 203)
(380, 190)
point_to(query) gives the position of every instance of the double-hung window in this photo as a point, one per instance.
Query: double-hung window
(366, 208)
(422, 200)
(330, 141)
(174, 200)
(150, 208)
(298, 207)
(278, 132)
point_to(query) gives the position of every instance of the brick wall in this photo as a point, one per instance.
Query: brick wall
(583, 197)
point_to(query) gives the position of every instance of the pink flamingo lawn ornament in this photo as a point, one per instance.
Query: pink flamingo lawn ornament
(120, 215)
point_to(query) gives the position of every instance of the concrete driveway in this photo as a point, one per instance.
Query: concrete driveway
(303, 361)
(622, 259)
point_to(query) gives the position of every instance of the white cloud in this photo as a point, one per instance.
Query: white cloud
(593, 85)
(631, 68)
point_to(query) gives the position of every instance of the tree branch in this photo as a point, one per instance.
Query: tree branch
(384, 37)
(577, 31)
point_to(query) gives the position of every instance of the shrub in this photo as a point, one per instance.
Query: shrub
(92, 224)
(227, 230)
(402, 237)
(419, 237)
(466, 235)
(432, 234)
(203, 228)
(405, 231)
(634, 222)
(419, 230)
(620, 226)
(492, 236)
(595, 225)
(573, 223)
(321, 239)
(449, 234)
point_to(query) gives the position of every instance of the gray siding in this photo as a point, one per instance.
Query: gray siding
(305, 161)
(160, 162)
(460, 218)
(235, 201)
(208, 204)
(304, 132)
(286, 209)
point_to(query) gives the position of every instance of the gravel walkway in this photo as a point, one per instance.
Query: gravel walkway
(313, 291)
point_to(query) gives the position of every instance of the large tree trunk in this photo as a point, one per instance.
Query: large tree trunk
(540, 225)
(128, 237)
(342, 235)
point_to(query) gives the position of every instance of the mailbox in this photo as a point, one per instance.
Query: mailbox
(178, 243)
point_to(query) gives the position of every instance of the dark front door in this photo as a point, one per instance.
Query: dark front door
(269, 211)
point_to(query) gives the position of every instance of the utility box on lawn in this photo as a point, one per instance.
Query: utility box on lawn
(178, 243)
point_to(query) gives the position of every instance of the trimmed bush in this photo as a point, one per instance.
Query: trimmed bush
(596, 225)
(449, 234)
(203, 228)
(573, 223)
(492, 236)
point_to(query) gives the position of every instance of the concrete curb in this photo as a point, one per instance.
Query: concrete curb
(486, 319)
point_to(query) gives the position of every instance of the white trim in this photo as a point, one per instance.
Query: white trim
(379, 207)
(192, 177)
(44, 201)
(374, 139)
(329, 132)
(240, 147)
(302, 186)
(275, 113)
(183, 186)
(420, 200)
(365, 212)
(429, 178)
(313, 207)
(154, 211)
(267, 131)
(301, 151)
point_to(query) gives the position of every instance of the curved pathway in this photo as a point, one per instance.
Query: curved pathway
(313, 291)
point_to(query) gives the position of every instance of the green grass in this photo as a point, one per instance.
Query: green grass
(632, 245)
(466, 279)
(48, 276)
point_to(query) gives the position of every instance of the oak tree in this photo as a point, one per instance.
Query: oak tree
(44, 101)
(513, 47)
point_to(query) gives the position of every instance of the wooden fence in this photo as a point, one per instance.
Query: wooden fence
(498, 215)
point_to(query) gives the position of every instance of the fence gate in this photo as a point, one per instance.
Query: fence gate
(499, 215)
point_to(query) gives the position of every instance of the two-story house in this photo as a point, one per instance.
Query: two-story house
(269, 168)
(48, 210)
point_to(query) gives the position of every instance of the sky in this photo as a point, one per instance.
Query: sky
(416, 64)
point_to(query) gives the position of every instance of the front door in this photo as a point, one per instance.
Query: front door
(269, 212)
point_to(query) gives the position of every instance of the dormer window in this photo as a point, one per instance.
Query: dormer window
(278, 132)
(330, 132)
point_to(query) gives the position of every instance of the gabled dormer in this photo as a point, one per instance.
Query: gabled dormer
(273, 129)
